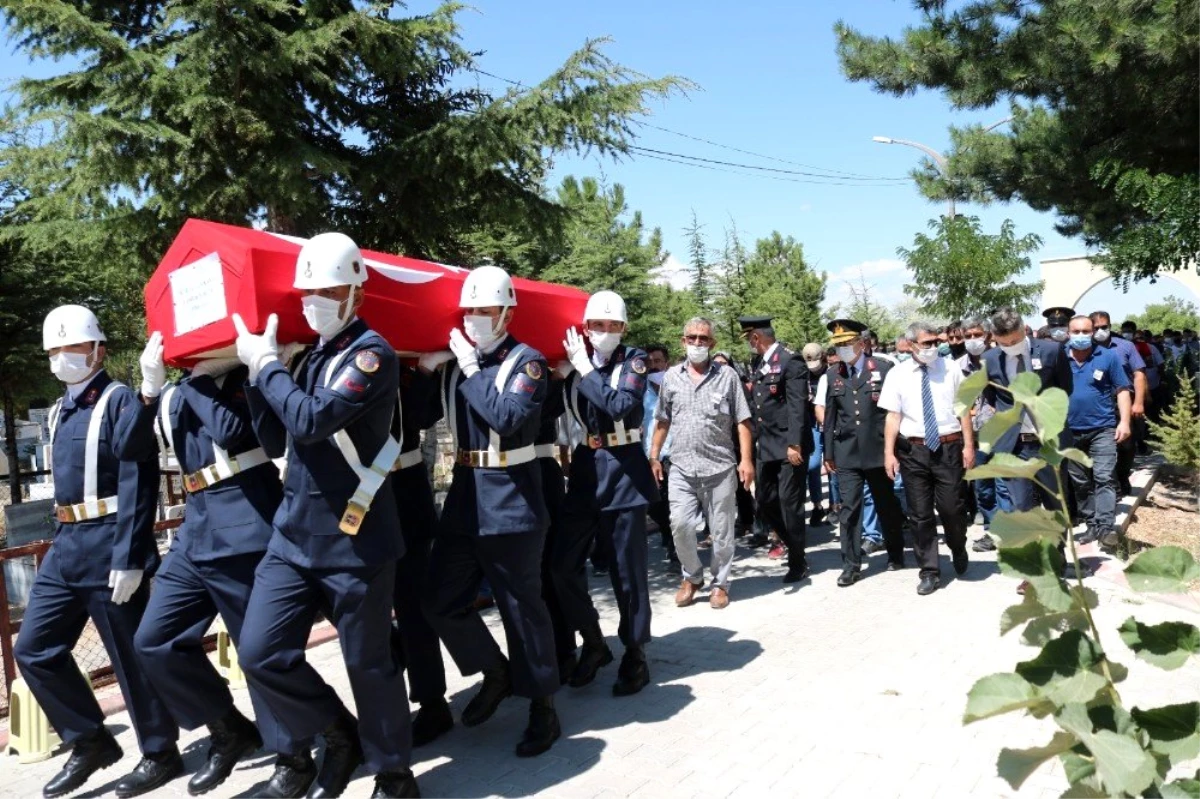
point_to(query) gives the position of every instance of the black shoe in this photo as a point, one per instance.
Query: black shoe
(796, 573)
(818, 517)
(929, 583)
(566, 667)
(432, 720)
(231, 738)
(543, 729)
(152, 771)
(895, 565)
(293, 776)
(849, 576)
(496, 687)
(1109, 539)
(343, 754)
(633, 674)
(961, 561)
(1086, 537)
(757, 540)
(396, 785)
(870, 546)
(591, 659)
(91, 753)
(984, 544)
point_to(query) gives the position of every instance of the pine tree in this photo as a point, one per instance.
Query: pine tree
(1177, 437)
(698, 263)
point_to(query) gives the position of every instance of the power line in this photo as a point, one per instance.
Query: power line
(771, 169)
(767, 176)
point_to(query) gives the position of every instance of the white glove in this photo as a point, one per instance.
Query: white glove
(577, 352)
(253, 350)
(563, 368)
(124, 583)
(154, 372)
(432, 361)
(215, 367)
(464, 351)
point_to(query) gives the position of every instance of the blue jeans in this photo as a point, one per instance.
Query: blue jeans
(1095, 488)
(814, 469)
(870, 519)
(1025, 494)
(991, 495)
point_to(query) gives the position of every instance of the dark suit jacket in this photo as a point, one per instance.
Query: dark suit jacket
(779, 405)
(1048, 360)
(854, 421)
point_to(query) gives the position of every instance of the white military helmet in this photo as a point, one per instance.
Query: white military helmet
(327, 260)
(70, 324)
(487, 286)
(605, 305)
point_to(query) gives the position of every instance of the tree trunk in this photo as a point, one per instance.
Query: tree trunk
(10, 447)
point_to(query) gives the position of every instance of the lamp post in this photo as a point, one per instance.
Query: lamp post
(938, 159)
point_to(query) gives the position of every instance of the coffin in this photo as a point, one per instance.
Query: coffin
(212, 271)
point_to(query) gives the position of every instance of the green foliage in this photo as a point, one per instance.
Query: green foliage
(1089, 137)
(865, 307)
(1177, 436)
(959, 270)
(1105, 749)
(1174, 313)
(778, 282)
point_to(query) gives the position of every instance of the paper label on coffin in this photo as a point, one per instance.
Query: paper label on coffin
(198, 294)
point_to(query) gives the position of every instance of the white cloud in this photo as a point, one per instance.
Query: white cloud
(884, 277)
(673, 273)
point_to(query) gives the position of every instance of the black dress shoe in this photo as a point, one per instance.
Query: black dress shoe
(961, 561)
(230, 739)
(90, 754)
(543, 729)
(152, 771)
(1109, 539)
(591, 659)
(633, 674)
(566, 667)
(895, 565)
(496, 687)
(870, 546)
(432, 720)
(292, 777)
(929, 583)
(849, 576)
(757, 540)
(817, 518)
(396, 785)
(984, 544)
(343, 754)
(796, 574)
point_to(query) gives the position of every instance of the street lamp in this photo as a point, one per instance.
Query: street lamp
(938, 159)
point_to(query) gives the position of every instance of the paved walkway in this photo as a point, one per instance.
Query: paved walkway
(812, 690)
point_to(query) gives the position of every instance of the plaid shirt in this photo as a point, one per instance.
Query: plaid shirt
(703, 417)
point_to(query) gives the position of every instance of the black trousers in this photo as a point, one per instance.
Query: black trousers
(780, 487)
(1125, 452)
(934, 480)
(660, 512)
(891, 518)
(555, 490)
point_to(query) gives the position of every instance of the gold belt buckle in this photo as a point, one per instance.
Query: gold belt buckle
(614, 441)
(352, 519)
(193, 482)
(594, 442)
(101, 508)
(65, 514)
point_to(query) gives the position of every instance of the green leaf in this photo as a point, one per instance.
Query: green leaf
(1078, 768)
(1062, 657)
(1038, 563)
(996, 426)
(1112, 717)
(1049, 411)
(1077, 455)
(1167, 645)
(998, 693)
(1164, 570)
(1016, 615)
(969, 391)
(1181, 789)
(1018, 528)
(1005, 464)
(1025, 388)
(1124, 766)
(1042, 629)
(1015, 765)
(1174, 730)
(1079, 687)
(1085, 790)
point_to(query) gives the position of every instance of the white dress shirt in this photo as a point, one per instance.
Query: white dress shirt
(901, 393)
(1010, 371)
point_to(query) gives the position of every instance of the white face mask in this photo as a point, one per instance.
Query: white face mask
(697, 353)
(604, 342)
(813, 365)
(480, 329)
(976, 346)
(70, 367)
(927, 355)
(1101, 336)
(1014, 349)
(847, 354)
(323, 315)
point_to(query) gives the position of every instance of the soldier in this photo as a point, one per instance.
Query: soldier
(609, 490)
(97, 568)
(336, 535)
(494, 518)
(783, 438)
(854, 427)
(232, 491)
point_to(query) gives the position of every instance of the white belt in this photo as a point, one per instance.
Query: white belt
(489, 459)
(223, 469)
(545, 451)
(619, 438)
(407, 460)
(83, 511)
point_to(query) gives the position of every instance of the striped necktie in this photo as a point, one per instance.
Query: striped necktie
(932, 439)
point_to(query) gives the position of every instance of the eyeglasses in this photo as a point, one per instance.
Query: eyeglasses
(696, 339)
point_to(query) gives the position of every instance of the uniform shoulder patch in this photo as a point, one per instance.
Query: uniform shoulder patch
(367, 361)
(534, 370)
(351, 383)
(638, 365)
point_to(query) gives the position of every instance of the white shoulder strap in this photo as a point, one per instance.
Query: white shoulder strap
(52, 420)
(502, 375)
(573, 399)
(615, 383)
(92, 447)
(163, 427)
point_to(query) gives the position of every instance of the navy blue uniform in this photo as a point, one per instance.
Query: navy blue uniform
(554, 488)
(310, 564)
(72, 584)
(493, 525)
(210, 569)
(610, 487)
(417, 645)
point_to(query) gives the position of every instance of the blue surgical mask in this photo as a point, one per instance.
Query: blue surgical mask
(943, 349)
(1081, 341)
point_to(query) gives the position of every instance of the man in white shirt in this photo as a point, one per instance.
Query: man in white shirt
(931, 447)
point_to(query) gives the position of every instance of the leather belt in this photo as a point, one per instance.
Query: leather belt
(545, 451)
(946, 439)
(487, 459)
(1030, 438)
(408, 459)
(214, 473)
(83, 511)
(599, 441)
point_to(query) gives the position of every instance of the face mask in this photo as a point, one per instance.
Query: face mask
(903, 356)
(323, 315)
(975, 346)
(604, 342)
(1081, 341)
(1101, 336)
(815, 366)
(70, 367)
(697, 353)
(480, 330)
(958, 350)
(927, 355)
(847, 354)
(943, 349)
(1014, 349)
(1059, 334)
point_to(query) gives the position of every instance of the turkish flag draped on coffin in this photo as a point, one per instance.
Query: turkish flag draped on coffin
(212, 271)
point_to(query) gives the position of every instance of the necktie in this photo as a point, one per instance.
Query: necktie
(1020, 364)
(932, 440)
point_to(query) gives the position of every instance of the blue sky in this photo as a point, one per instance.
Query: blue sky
(769, 83)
